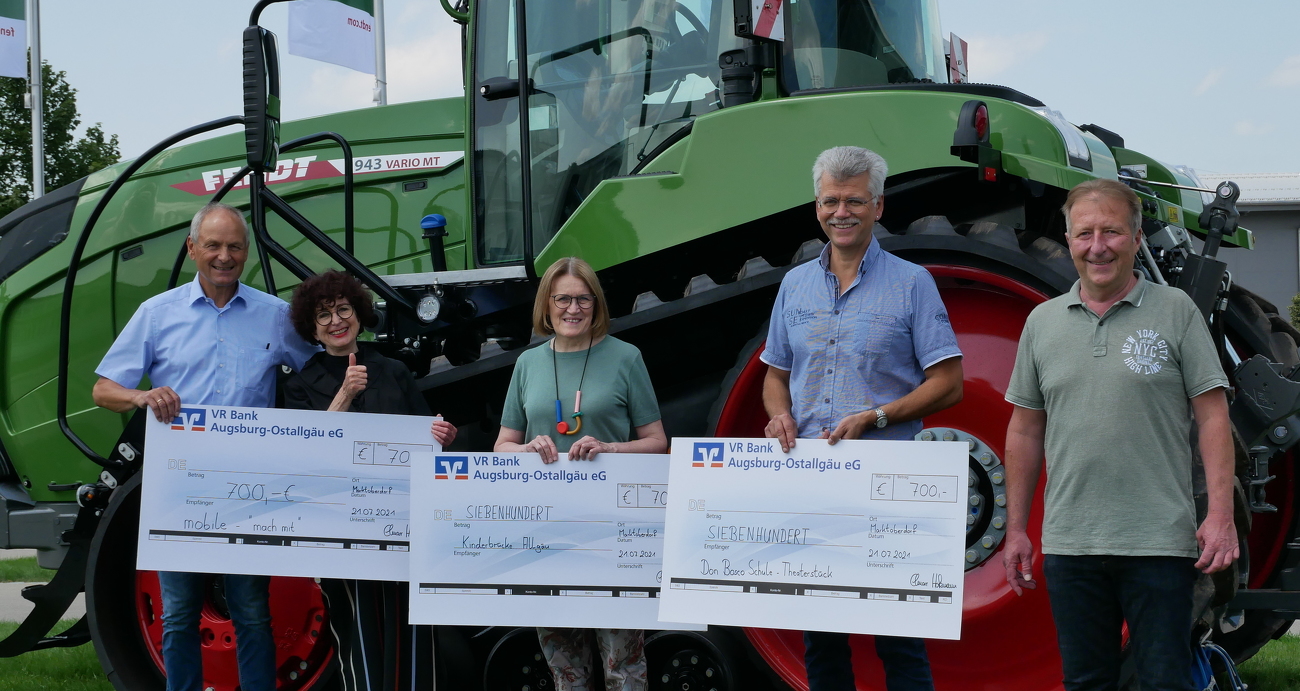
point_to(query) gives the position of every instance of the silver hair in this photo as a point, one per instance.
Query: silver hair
(1112, 189)
(844, 162)
(208, 209)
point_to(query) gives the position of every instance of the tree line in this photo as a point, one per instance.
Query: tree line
(67, 157)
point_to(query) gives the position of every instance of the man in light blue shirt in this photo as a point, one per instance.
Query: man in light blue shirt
(213, 341)
(859, 347)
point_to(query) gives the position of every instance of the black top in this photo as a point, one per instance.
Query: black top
(335, 365)
(390, 387)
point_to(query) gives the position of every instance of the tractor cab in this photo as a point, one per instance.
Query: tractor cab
(611, 84)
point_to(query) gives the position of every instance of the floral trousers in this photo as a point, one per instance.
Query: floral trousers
(568, 653)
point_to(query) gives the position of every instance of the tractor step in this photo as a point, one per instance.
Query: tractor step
(467, 277)
(1284, 602)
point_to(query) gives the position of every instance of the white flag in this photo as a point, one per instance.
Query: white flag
(341, 32)
(13, 39)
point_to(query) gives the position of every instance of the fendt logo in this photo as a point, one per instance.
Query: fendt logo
(192, 419)
(707, 452)
(306, 168)
(447, 467)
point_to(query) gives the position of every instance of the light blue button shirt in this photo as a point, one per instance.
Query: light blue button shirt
(208, 355)
(853, 352)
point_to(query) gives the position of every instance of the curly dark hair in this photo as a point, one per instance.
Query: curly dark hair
(322, 290)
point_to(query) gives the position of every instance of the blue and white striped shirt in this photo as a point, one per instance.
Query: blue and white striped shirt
(853, 352)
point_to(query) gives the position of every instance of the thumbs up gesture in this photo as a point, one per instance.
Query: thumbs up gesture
(354, 381)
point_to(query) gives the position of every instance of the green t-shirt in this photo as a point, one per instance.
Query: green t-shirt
(1116, 390)
(617, 396)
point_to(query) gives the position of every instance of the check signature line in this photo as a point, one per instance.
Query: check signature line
(256, 472)
(270, 501)
(792, 513)
(517, 520)
(881, 517)
(810, 544)
(534, 549)
(912, 535)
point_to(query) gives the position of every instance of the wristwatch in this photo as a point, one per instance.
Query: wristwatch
(881, 418)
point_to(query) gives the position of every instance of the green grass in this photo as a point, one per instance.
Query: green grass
(1274, 668)
(23, 570)
(58, 669)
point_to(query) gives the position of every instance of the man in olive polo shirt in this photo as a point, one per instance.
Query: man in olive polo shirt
(1105, 378)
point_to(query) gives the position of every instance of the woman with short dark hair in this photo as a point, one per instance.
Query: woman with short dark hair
(330, 309)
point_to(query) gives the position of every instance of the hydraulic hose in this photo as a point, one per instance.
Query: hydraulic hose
(256, 15)
(348, 223)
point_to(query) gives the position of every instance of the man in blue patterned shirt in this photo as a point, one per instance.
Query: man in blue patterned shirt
(859, 347)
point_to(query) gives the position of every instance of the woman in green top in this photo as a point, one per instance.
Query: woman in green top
(584, 392)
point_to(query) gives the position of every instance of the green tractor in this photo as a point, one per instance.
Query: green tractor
(669, 143)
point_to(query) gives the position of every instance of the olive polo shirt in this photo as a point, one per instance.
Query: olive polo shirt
(1116, 390)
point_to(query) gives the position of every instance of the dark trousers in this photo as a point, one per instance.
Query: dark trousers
(377, 648)
(830, 665)
(1092, 596)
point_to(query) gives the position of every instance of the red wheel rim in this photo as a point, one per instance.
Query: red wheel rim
(1004, 637)
(299, 624)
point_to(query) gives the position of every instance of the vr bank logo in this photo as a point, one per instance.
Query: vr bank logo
(446, 467)
(709, 452)
(192, 419)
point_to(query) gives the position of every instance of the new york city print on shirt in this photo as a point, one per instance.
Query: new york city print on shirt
(1146, 352)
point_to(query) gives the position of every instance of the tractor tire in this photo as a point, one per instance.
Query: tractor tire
(124, 612)
(705, 660)
(1256, 327)
(516, 662)
(712, 660)
(990, 283)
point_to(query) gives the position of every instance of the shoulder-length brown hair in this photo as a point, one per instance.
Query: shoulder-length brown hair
(322, 290)
(569, 266)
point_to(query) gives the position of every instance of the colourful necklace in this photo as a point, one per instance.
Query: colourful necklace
(560, 425)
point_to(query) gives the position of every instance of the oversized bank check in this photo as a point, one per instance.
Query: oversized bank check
(280, 492)
(860, 537)
(505, 540)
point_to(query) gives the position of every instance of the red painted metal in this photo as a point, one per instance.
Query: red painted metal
(299, 623)
(1269, 532)
(1007, 641)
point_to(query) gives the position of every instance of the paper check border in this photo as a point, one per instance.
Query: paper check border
(942, 597)
(281, 541)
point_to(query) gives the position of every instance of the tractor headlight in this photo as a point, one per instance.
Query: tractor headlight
(1075, 146)
(427, 308)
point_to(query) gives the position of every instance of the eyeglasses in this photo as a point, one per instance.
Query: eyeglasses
(563, 301)
(324, 317)
(853, 203)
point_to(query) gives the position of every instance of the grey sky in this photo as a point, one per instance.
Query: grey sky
(149, 68)
(1208, 84)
